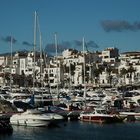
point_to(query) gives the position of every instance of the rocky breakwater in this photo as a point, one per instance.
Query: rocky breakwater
(6, 110)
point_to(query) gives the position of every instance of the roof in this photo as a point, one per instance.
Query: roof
(132, 53)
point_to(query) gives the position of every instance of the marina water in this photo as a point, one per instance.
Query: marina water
(77, 130)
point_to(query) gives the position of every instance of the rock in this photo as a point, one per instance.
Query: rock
(6, 107)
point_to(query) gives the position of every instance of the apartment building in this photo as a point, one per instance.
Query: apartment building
(68, 69)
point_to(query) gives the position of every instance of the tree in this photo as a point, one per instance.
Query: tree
(29, 79)
(110, 77)
(131, 70)
(123, 73)
(96, 73)
(7, 78)
(16, 79)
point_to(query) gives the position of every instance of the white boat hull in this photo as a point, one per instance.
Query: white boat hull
(33, 123)
(135, 115)
(34, 119)
(31, 118)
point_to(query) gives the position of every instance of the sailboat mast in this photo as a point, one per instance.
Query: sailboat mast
(35, 22)
(84, 68)
(40, 40)
(56, 48)
(41, 60)
(11, 46)
(70, 84)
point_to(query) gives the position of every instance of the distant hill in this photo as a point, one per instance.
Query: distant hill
(22, 51)
(6, 54)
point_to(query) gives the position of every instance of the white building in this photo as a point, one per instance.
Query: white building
(55, 72)
(128, 59)
(2, 60)
(110, 55)
(78, 76)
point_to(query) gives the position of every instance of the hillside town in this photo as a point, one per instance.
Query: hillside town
(72, 68)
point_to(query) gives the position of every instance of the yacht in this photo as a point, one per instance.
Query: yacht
(130, 116)
(100, 115)
(34, 117)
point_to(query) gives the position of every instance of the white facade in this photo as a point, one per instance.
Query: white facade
(109, 55)
(2, 60)
(69, 53)
(22, 65)
(55, 68)
(130, 59)
(78, 78)
(55, 76)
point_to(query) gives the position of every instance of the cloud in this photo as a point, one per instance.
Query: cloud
(92, 44)
(65, 45)
(27, 43)
(88, 44)
(77, 43)
(119, 25)
(50, 48)
(8, 39)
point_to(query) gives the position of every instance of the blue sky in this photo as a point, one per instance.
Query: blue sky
(103, 23)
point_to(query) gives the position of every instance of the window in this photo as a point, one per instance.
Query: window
(51, 81)
(51, 75)
(105, 56)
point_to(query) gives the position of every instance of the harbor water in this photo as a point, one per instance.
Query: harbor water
(76, 130)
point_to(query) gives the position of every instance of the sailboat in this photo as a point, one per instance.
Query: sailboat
(75, 112)
(34, 117)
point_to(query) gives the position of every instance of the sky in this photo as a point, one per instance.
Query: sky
(103, 23)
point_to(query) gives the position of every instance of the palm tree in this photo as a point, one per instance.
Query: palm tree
(123, 73)
(131, 70)
(29, 79)
(96, 73)
(7, 77)
(110, 77)
(16, 79)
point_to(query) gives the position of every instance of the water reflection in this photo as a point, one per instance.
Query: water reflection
(77, 131)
